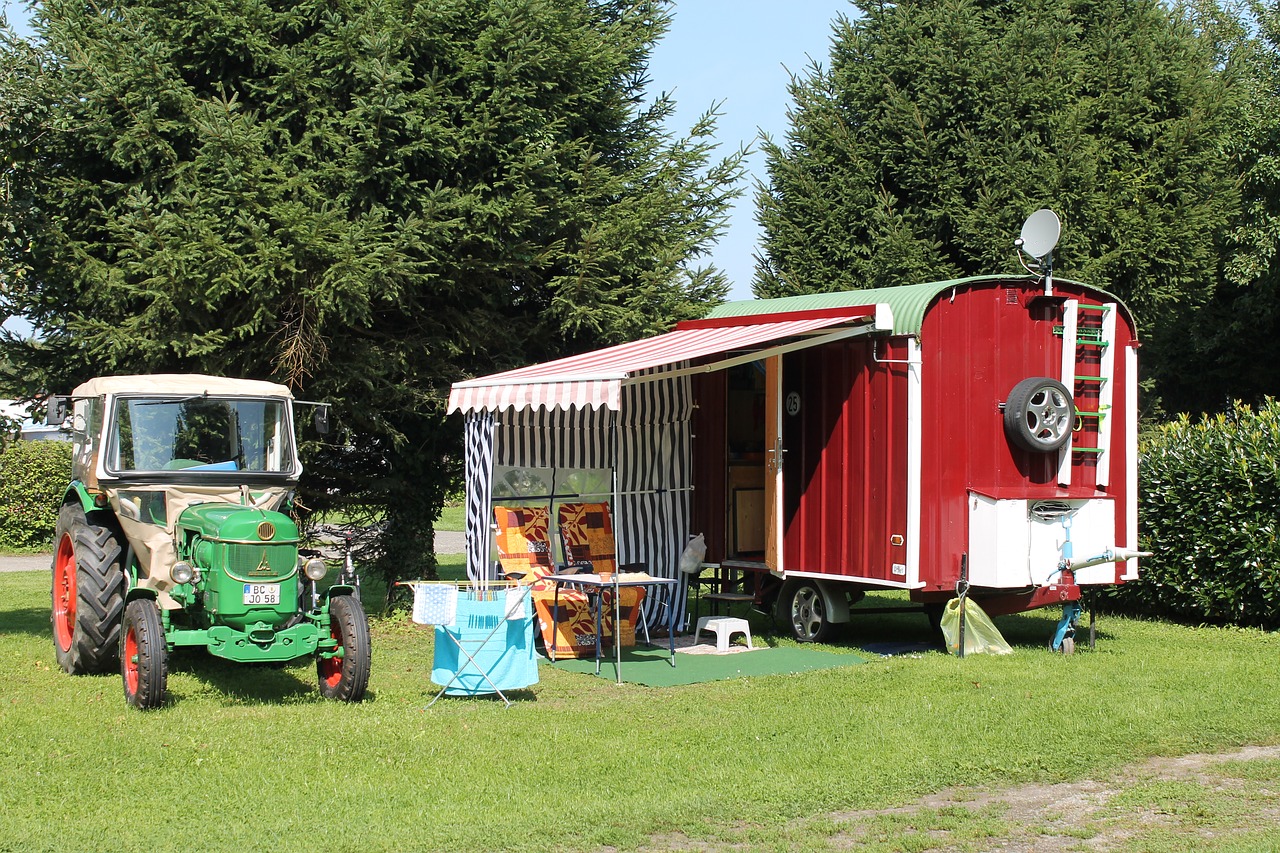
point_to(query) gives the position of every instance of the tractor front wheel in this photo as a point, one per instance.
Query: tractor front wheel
(88, 593)
(346, 676)
(144, 656)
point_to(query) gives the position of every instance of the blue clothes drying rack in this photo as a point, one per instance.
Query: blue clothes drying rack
(484, 637)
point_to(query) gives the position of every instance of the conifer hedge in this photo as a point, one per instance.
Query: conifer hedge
(1209, 507)
(33, 478)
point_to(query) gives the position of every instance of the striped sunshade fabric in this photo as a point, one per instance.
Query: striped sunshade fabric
(595, 379)
(627, 408)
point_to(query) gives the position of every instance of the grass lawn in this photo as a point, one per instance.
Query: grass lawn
(453, 518)
(246, 758)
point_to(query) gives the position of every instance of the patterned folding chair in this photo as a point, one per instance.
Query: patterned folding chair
(586, 532)
(524, 554)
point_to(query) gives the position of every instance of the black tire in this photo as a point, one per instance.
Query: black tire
(346, 677)
(1039, 414)
(802, 608)
(87, 595)
(144, 656)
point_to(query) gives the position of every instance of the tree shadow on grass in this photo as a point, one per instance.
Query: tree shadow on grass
(910, 632)
(26, 620)
(240, 683)
(251, 683)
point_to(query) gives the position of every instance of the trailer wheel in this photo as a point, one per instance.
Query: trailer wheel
(144, 657)
(346, 677)
(801, 606)
(1068, 646)
(87, 594)
(1038, 415)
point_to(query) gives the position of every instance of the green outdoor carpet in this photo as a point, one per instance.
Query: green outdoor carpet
(652, 668)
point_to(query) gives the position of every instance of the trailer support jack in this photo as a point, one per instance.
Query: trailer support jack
(1064, 637)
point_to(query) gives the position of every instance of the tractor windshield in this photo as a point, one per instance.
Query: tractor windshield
(199, 434)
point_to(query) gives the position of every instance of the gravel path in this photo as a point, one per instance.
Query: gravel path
(36, 563)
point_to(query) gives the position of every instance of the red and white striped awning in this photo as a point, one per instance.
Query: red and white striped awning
(595, 379)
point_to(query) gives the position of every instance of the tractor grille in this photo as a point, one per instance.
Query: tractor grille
(264, 562)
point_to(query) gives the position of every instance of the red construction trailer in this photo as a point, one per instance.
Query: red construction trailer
(988, 441)
(978, 433)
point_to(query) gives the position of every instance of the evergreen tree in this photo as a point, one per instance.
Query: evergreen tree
(941, 124)
(366, 199)
(1233, 348)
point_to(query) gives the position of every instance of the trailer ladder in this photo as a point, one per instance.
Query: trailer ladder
(1088, 369)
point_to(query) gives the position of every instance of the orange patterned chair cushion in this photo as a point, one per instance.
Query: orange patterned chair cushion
(586, 532)
(524, 553)
(524, 543)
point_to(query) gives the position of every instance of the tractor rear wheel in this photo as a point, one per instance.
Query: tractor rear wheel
(144, 656)
(346, 677)
(87, 594)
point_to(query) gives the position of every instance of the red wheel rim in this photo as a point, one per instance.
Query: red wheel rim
(131, 661)
(331, 668)
(64, 593)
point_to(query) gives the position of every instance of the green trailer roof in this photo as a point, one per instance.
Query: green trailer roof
(908, 302)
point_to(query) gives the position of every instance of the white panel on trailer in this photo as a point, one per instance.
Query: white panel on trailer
(1070, 320)
(1131, 458)
(1018, 543)
(999, 538)
(1106, 395)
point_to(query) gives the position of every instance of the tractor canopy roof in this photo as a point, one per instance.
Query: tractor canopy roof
(181, 383)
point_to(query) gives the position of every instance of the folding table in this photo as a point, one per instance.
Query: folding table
(595, 586)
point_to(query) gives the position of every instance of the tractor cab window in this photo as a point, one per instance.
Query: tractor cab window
(86, 428)
(199, 434)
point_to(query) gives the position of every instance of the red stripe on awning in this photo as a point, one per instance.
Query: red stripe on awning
(595, 379)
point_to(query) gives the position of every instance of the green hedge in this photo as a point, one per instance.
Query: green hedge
(33, 478)
(1209, 507)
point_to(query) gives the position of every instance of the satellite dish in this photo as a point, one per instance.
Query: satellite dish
(1040, 233)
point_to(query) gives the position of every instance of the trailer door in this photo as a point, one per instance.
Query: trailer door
(775, 457)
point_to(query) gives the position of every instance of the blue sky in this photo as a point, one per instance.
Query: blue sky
(739, 54)
(742, 54)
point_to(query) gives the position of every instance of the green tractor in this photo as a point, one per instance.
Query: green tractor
(173, 534)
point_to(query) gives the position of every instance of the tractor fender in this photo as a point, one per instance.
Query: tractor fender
(338, 589)
(136, 592)
(77, 493)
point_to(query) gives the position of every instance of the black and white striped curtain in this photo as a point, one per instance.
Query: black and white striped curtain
(560, 438)
(647, 444)
(478, 438)
(654, 484)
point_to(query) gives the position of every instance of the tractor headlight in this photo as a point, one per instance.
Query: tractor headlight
(315, 569)
(182, 572)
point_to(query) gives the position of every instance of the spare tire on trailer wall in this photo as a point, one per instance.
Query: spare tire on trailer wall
(1039, 414)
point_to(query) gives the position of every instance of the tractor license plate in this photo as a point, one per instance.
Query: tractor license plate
(262, 593)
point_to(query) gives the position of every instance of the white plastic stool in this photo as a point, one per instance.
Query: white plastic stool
(724, 627)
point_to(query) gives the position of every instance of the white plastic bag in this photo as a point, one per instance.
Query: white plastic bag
(980, 634)
(694, 552)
